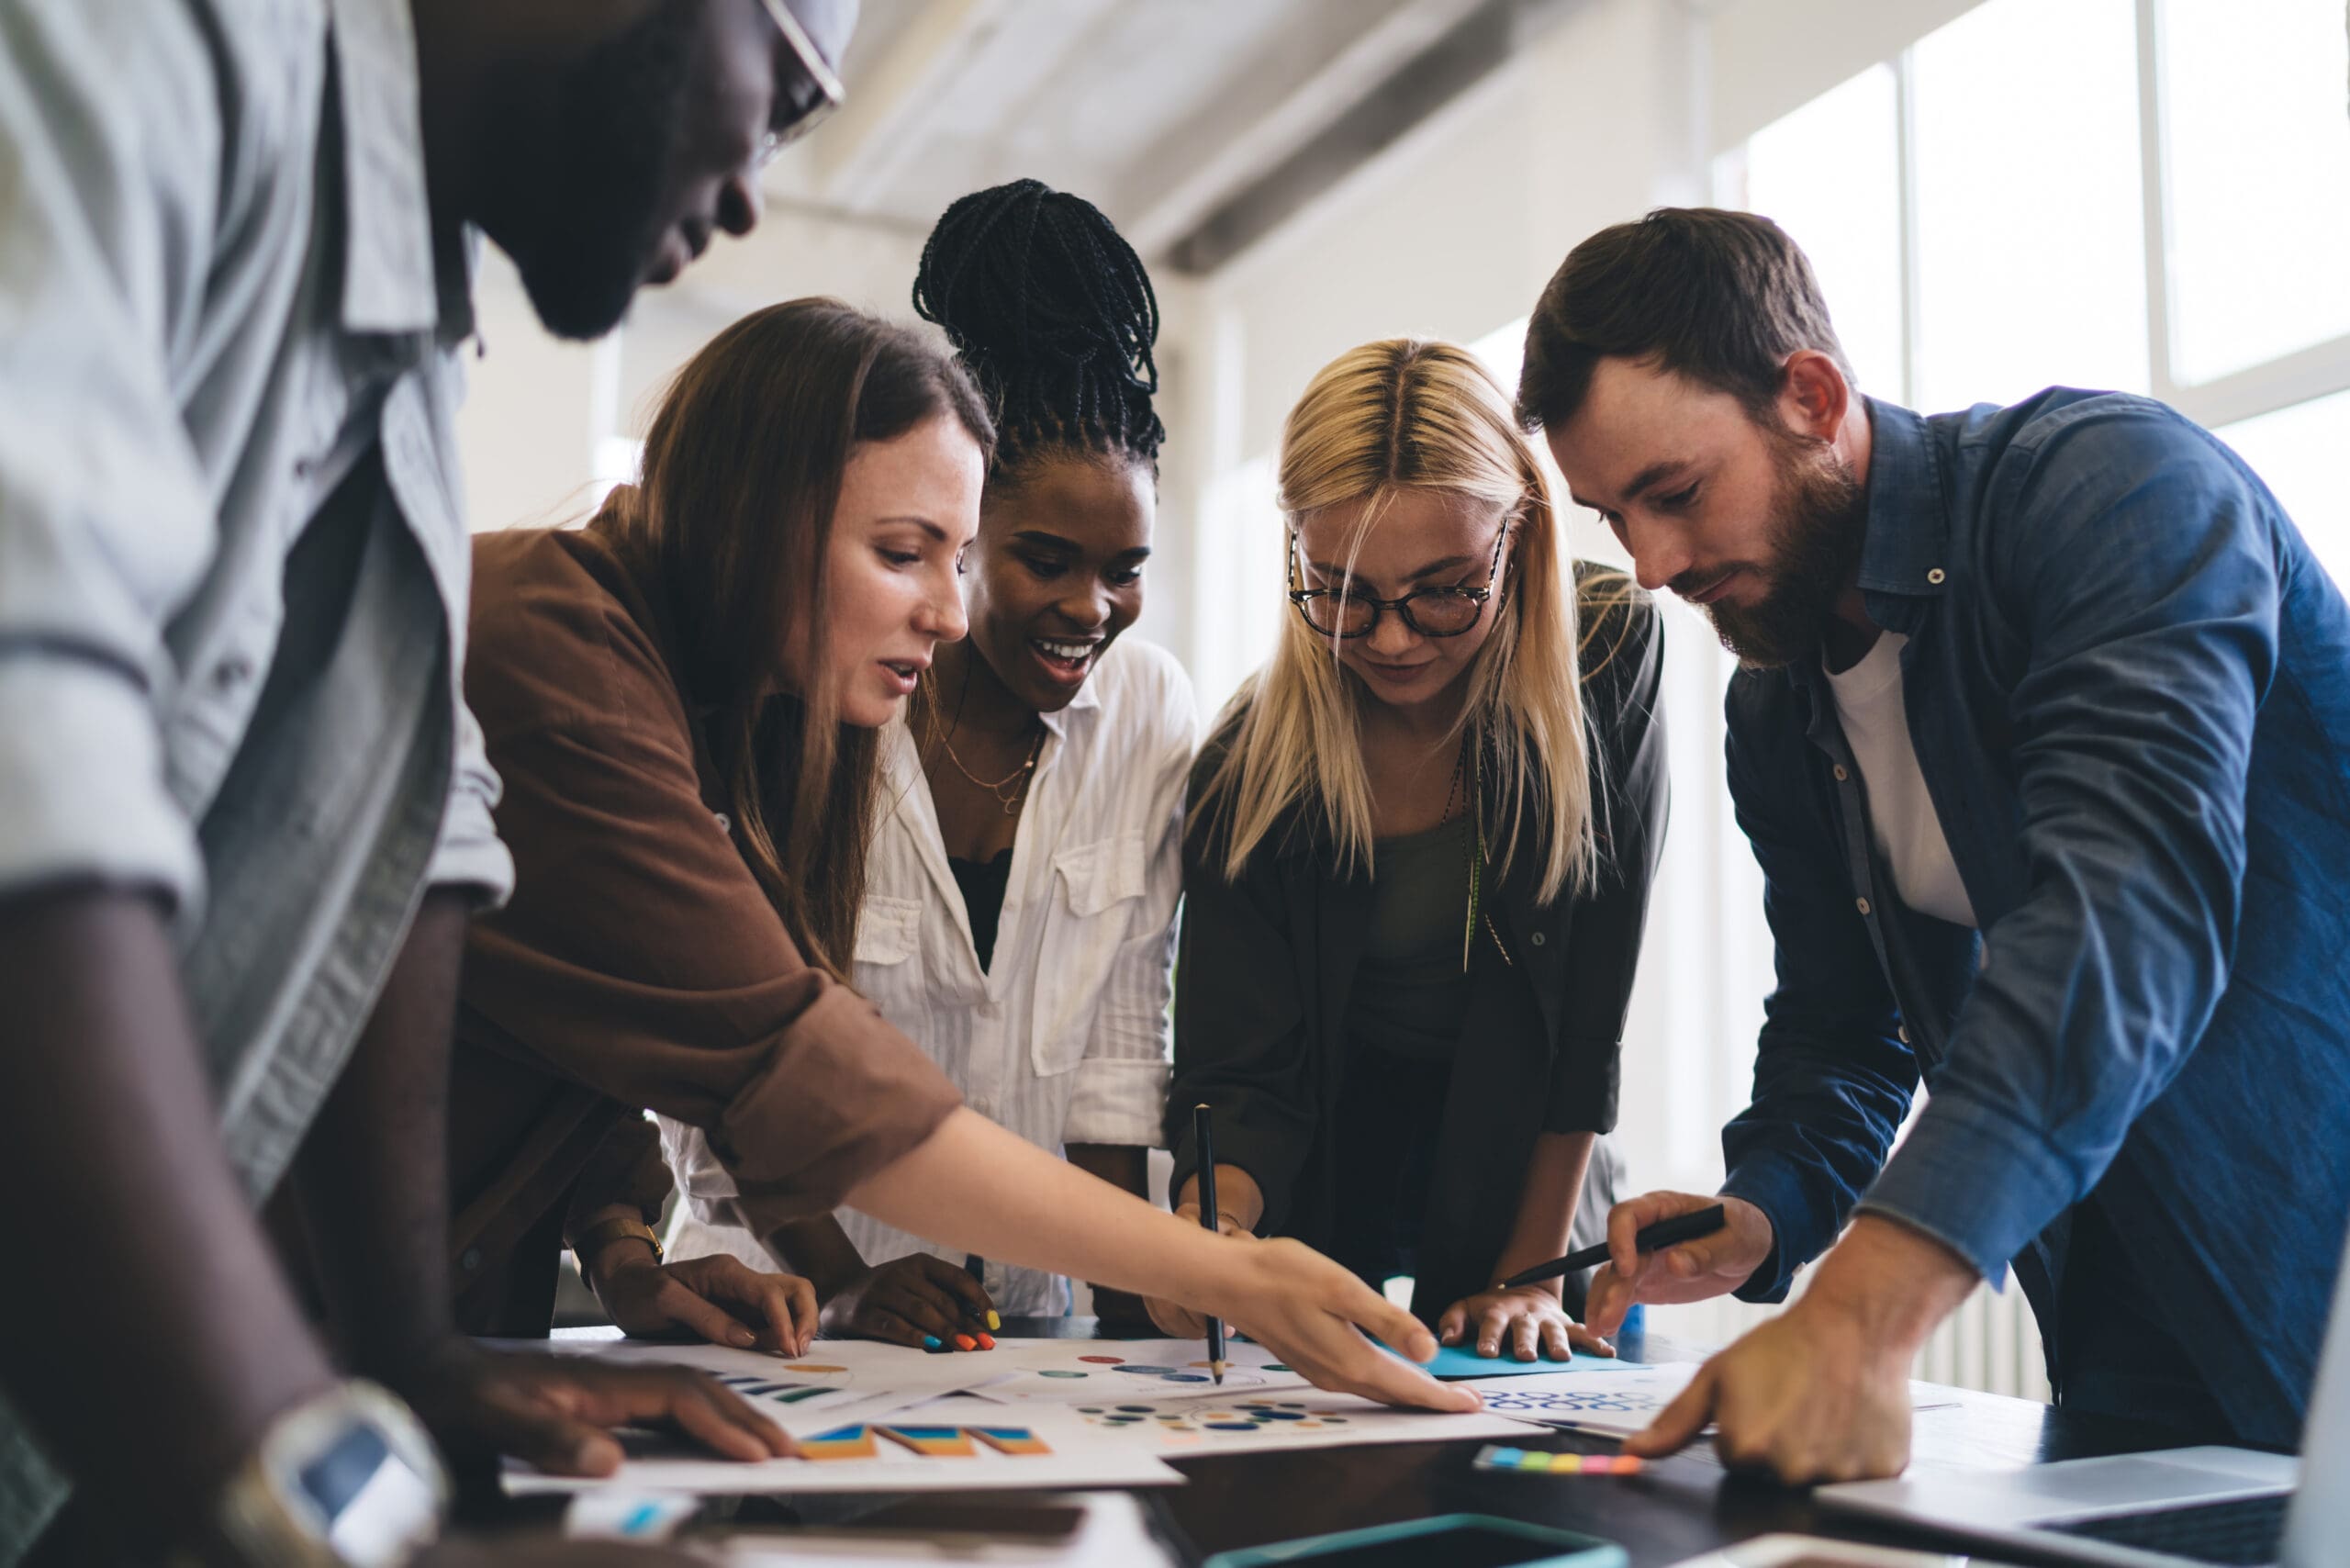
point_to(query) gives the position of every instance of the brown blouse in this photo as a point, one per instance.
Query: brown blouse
(637, 965)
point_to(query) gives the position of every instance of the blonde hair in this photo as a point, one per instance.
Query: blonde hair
(1408, 415)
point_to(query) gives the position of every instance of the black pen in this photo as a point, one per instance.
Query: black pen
(1204, 1134)
(1664, 1233)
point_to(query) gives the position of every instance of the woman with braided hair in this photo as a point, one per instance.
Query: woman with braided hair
(1018, 919)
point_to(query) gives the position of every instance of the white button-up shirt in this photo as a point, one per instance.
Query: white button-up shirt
(1065, 1038)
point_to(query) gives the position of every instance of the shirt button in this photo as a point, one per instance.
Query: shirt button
(1860, 904)
(1841, 774)
(231, 672)
(471, 1261)
(1935, 577)
(1904, 1031)
(1537, 939)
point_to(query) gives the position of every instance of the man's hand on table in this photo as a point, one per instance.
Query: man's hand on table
(1821, 1391)
(556, 1412)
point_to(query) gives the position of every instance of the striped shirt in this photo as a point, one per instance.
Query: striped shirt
(1065, 1038)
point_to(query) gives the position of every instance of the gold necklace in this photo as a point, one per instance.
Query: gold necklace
(1017, 778)
(1468, 780)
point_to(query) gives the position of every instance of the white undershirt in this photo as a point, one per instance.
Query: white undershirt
(1901, 815)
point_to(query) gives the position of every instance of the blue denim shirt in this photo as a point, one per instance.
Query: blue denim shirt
(2128, 684)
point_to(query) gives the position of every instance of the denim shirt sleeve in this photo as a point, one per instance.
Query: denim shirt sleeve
(106, 522)
(2131, 556)
(1832, 1078)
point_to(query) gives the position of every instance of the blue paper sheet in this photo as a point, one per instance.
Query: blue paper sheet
(1455, 1362)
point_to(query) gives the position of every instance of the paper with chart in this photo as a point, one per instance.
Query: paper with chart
(970, 1445)
(1623, 1403)
(1620, 1404)
(1192, 1425)
(1087, 1372)
(836, 1381)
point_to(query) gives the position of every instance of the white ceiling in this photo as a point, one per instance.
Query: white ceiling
(1171, 114)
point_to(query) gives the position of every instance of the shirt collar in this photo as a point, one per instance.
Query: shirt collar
(395, 278)
(1087, 701)
(1903, 551)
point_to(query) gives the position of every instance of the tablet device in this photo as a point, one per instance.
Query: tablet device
(1457, 1541)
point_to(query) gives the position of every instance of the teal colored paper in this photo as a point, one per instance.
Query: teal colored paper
(1455, 1363)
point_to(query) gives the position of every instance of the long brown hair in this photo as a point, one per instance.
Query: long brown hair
(742, 473)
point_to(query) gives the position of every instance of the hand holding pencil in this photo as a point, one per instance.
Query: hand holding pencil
(1203, 1135)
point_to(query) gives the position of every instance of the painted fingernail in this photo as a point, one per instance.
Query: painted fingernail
(987, 1342)
(993, 1321)
(965, 1342)
(930, 1342)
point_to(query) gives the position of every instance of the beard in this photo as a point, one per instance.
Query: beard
(620, 115)
(1822, 516)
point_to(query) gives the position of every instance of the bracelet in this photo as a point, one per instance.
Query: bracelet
(604, 1232)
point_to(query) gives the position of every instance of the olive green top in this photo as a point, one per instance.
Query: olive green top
(1413, 990)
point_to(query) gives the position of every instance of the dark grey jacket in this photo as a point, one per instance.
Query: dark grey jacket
(1266, 963)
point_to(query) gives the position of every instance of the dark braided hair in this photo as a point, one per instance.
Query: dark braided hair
(1053, 313)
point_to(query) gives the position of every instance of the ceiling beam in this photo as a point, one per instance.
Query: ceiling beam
(1291, 92)
(1479, 43)
(880, 127)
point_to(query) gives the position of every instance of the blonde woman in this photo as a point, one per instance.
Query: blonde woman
(1418, 861)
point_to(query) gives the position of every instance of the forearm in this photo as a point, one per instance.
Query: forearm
(156, 1355)
(1237, 1196)
(372, 1175)
(1546, 1204)
(1892, 1284)
(1125, 1166)
(818, 1251)
(973, 1186)
(598, 1261)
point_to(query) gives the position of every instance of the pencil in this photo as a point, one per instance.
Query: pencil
(1204, 1134)
(1651, 1237)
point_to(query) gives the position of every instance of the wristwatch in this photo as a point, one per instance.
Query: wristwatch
(349, 1480)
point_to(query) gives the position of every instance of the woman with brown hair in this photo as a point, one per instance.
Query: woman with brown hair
(682, 699)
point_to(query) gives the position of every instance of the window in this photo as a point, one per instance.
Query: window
(1850, 227)
(2257, 147)
(2298, 452)
(1990, 212)
(2030, 248)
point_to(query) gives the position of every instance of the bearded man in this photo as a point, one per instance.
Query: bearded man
(2042, 738)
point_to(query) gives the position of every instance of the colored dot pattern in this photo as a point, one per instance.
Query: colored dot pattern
(1179, 1425)
(1190, 1372)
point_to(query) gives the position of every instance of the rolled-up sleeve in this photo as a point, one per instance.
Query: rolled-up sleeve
(1120, 1094)
(1623, 695)
(469, 855)
(107, 525)
(639, 956)
(2132, 555)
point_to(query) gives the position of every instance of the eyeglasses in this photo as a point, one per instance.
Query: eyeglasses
(813, 100)
(1430, 612)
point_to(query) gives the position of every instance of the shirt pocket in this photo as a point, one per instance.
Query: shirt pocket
(889, 943)
(1095, 890)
